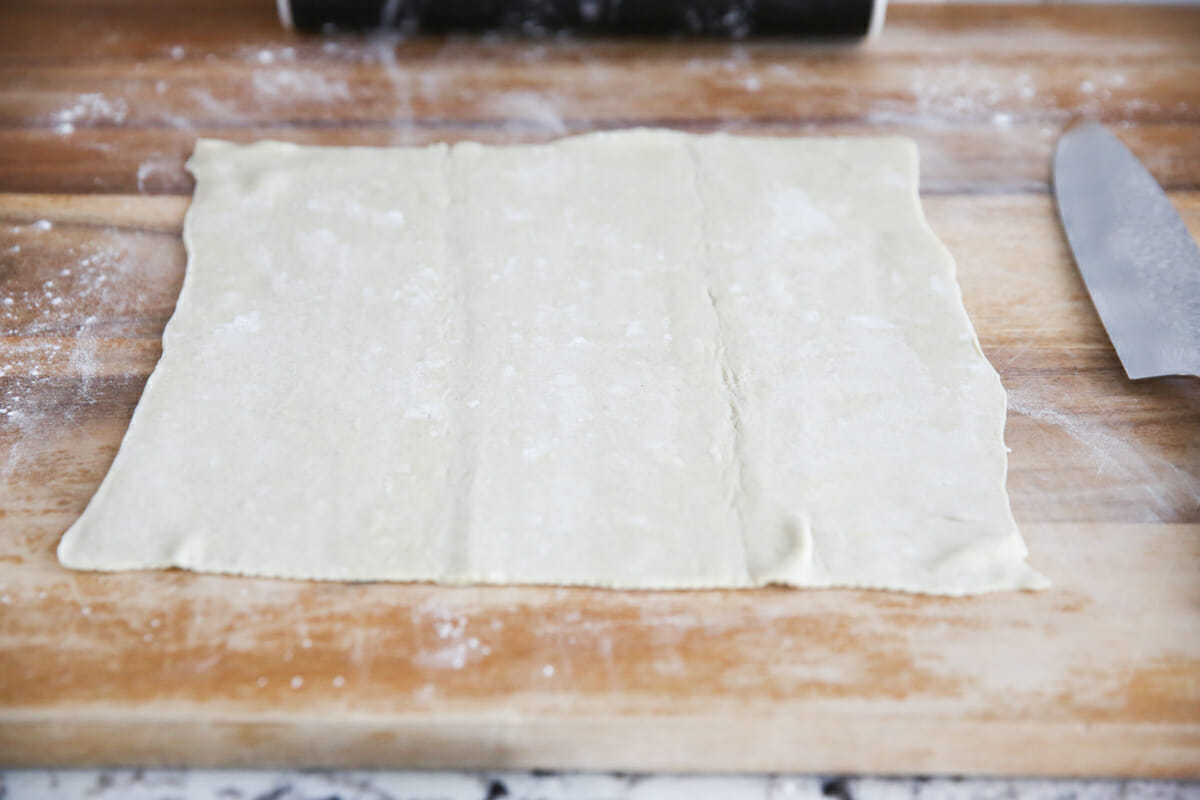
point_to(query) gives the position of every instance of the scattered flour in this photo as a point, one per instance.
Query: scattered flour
(90, 108)
(287, 85)
(966, 90)
(455, 649)
(157, 171)
(1150, 487)
(48, 328)
(528, 109)
(381, 49)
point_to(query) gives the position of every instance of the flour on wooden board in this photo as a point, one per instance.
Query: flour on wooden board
(90, 108)
(1150, 486)
(83, 292)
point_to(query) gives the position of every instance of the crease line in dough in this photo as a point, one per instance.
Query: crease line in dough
(729, 379)
(464, 458)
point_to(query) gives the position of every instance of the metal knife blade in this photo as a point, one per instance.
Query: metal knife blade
(1139, 262)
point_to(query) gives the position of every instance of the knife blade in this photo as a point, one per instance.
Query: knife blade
(1140, 264)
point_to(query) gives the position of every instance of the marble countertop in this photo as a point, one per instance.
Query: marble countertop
(138, 784)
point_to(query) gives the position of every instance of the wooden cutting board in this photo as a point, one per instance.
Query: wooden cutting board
(101, 101)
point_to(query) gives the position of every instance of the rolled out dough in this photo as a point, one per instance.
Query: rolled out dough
(640, 359)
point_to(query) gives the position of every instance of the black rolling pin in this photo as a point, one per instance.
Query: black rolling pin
(722, 18)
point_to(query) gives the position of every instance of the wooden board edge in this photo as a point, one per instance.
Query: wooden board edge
(863, 745)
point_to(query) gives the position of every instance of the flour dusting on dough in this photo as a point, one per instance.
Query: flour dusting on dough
(438, 419)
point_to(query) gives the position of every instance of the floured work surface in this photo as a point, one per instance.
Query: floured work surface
(638, 359)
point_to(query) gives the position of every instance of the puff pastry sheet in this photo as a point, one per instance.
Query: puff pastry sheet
(640, 359)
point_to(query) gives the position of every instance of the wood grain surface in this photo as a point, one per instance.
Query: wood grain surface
(100, 102)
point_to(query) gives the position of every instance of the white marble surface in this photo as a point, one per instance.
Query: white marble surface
(136, 784)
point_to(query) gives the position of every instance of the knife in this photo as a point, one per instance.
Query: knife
(1139, 262)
